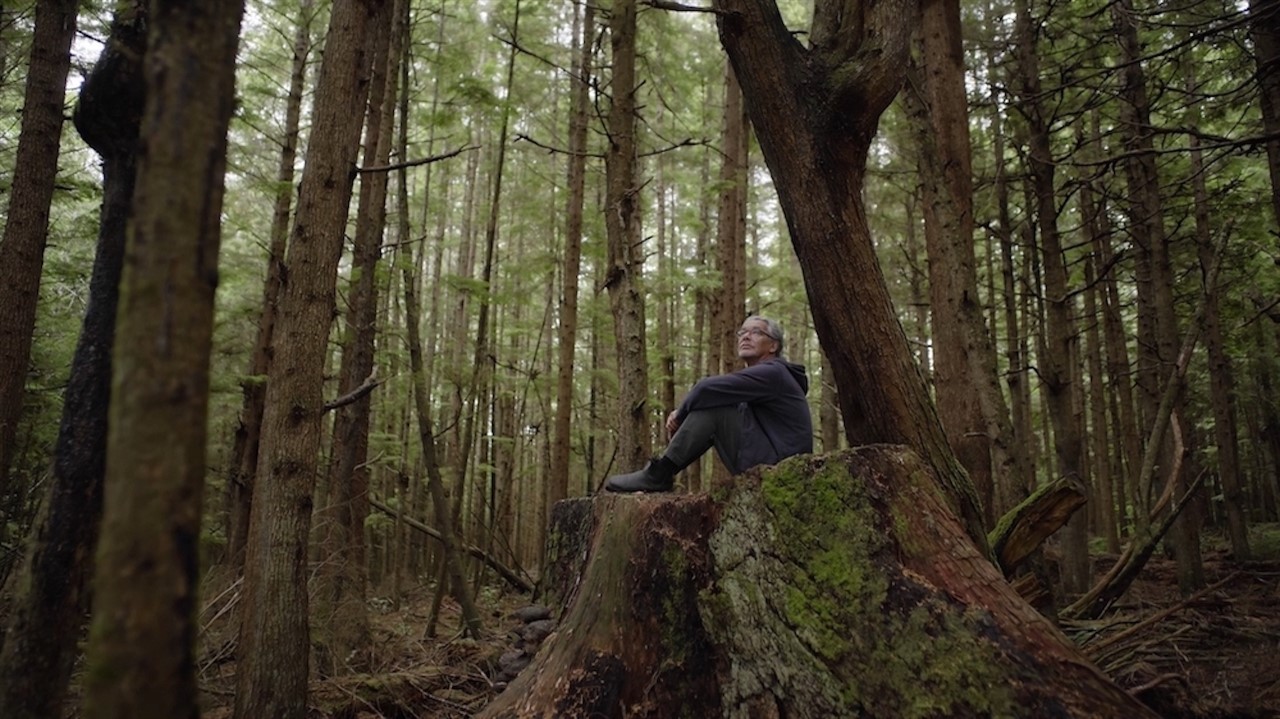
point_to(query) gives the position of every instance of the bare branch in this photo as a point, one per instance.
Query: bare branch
(415, 163)
(367, 386)
(681, 7)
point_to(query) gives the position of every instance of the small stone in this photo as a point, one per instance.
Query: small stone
(512, 662)
(532, 613)
(535, 632)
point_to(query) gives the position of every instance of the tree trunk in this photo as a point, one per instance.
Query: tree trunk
(41, 641)
(624, 278)
(970, 405)
(26, 230)
(1222, 391)
(567, 338)
(829, 410)
(802, 591)
(731, 224)
(1158, 325)
(242, 464)
(1055, 361)
(1021, 480)
(140, 657)
(274, 635)
(342, 623)
(815, 112)
(452, 562)
(1264, 29)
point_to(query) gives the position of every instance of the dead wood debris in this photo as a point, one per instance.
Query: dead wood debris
(1210, 655)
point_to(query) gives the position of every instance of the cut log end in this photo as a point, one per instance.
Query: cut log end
(823, 587)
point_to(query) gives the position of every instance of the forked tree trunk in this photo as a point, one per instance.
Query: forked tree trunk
(815, 111)
(800, 591)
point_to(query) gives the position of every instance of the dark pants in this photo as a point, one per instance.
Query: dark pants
(703, 429)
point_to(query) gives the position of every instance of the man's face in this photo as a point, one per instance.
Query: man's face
(754, 344)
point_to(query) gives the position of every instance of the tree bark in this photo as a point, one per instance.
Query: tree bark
(242, 465)
(970, 404)
(274, 644)
(140, 656)
(624, 278)
(1055, 366)
(1157, 322)
(1264, 30)
(801, 590)
(51, 600)
(342, 623)
(815, 112)
(26, 229)
(567, 337)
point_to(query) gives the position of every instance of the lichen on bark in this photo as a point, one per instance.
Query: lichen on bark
(810, 595)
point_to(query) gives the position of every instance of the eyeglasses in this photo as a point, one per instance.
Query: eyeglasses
(754, 331)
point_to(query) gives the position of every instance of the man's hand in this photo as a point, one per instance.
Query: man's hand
(673, 421)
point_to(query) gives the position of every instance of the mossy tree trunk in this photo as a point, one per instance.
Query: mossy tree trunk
(804, 590)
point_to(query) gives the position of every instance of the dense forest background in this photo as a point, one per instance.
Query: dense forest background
(1109, 260)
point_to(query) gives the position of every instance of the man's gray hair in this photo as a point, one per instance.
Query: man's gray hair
(773, 329)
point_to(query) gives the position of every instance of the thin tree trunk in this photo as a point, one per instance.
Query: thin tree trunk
(51, 600)
(141, 652)
(26, 229)
(452, 562)
(1060, 337)
(272, 658)
(243, 461)
(1158, 333)
(624, 278)
(1264, 29)
(1104, 496)
(829, 411)
(1222, 392)
(731, 223)
(340, 617)
(567, 338)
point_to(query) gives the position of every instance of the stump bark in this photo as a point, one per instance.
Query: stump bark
(836, 586)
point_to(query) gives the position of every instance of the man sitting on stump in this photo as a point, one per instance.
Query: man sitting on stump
(757, 415)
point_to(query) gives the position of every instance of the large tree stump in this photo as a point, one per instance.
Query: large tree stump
(837, 586)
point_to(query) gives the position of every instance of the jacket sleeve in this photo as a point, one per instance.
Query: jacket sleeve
(751, 384)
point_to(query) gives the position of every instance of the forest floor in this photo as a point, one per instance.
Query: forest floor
(1214, 655)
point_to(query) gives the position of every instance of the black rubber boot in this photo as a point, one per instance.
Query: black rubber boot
(657, 476)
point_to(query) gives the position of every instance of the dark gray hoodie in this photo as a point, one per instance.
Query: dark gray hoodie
(770, 398)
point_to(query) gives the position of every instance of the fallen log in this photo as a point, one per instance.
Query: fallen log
(837, 586)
